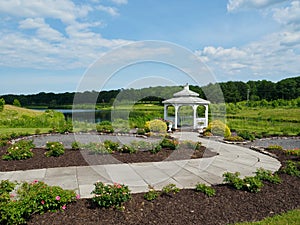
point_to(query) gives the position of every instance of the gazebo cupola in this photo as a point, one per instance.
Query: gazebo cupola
(186, 97)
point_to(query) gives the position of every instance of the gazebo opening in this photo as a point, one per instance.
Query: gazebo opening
(189, 109)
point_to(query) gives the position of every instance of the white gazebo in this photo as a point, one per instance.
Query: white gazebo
(186, 97)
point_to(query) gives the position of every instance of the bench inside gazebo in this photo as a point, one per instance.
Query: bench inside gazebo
(186, 97)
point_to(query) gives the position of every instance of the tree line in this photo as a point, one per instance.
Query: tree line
(233, 91)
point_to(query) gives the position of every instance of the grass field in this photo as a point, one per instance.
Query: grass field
(266, 121)
(289, 218)
(20, 121)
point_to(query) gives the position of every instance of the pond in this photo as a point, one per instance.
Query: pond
(96, 116)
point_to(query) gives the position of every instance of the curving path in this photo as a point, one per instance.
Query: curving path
(138, 176)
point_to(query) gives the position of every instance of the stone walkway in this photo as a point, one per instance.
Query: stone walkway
(138, 176)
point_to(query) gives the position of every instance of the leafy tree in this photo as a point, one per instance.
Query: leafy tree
(17, 103)
(2, 103)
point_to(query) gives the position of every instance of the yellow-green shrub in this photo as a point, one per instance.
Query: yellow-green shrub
(217, 127)
(156, 125)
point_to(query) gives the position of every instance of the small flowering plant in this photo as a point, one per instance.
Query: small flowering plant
(111, 195)
(293, 152)
(54, 149)
(41, 197)
(19, 150)
(18, 203)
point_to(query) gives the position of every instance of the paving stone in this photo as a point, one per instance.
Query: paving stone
(29, 175)
(189, 181)
(159, 186)
(124, 174)
(169, 168)
(66, 182)
(64, 171)
(87, 175)
(150, 174)
(85, 190)
(6, 175)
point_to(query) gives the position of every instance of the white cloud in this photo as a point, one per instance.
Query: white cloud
(289, 15)
(110, 10)
(120, 2)
(65, 10)
(290, 39)
(235, 5)
(39, 44)
(271, 55)
(43, 30)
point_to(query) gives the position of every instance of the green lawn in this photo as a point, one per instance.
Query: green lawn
(289, 218)
(271, 114)
(19, 130)
(20, 121)
(277, 121)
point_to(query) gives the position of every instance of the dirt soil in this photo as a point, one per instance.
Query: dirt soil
(186, 207)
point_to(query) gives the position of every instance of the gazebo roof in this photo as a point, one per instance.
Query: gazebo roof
(186, 97)
(185, 92)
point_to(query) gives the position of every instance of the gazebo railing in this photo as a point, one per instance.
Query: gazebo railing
(200, 122)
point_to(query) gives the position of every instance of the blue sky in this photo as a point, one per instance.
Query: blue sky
(49, 45)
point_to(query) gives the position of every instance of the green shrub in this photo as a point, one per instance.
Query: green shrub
(251, 184)
(274, 147)
(54, 149)
(7, 186)
(190, 145)
(294, 152)
(110, 195)
(217, 127)
(3, 143)
(111, 146)
(292, 168)
(37, 131)
(151, 195)
(104, 127)
(170, 189)
(75, 145)
(233, 180)
(140, 131)
(234, 139)
(141, 145)
(246, 135)
(169, 143)
(155, 149)
(65, 127)
(121, 125)
(96, 148)
(20, 150)
(34, 198)
(127, 149)
(267, 175)
(209, 191)
(156, 126)
(207, 134)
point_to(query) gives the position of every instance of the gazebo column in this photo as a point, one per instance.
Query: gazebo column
(206, 116)
(195, 116)
(176, 116)
(165, 112)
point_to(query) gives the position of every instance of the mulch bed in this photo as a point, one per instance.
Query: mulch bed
(85, 158)
(186, 207)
